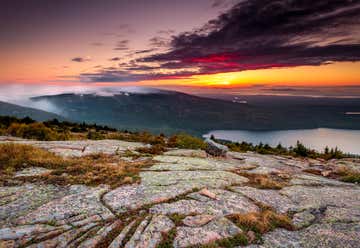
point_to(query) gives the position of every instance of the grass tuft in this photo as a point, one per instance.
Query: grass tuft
(90, 170)
(167, 239)
(261, 222)
(177, 218)
(347, 174)
(262, 181)
(157, 149)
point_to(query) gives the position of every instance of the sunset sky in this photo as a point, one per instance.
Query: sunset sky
(180, 43)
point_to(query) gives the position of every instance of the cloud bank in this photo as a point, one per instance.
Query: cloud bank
(253, 34)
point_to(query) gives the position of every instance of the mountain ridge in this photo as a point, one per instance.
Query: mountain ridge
(170, 111)
(9, 109)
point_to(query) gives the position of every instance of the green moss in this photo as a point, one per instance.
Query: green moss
(93, 135)
(177, 218)
(36, 131)
(167, 239)
(351, 178)
(237, 240)
(186, 141)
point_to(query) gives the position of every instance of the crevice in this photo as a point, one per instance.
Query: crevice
(102, 201)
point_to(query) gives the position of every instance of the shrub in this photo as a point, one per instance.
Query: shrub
(347, 174)
(154, 149)
(351, 178)
(301, 150)
(90, 170)
(36, 131)
(14, 157)
(186, 141)
(298, 150)
(265, 181)
(93, 135)
(261, 222)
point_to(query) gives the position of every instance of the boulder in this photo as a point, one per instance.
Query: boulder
(216, 149)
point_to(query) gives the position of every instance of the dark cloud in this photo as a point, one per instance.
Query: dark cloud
(263, 34)
(115, 59)
(224, 3)
(166, 32)
(127, 74)
(159, 42)
(217, 3)
(80, 59)
(145, 51)
(260, 34)
(122, 45)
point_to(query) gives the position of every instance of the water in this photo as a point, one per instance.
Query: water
(347, 141)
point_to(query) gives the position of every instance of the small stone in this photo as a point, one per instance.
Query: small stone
(32, 171)
(198, 220)
(303, 219)
(326, 173)
(251, 236)
(127, 180)
(208, 193)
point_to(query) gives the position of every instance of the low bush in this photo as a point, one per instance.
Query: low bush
(262, 181)
(186, 141)
(93, 135)
(154, 149)
(36, 131)
(347, 174)
(262, 222)
(90, 170)
(299, 150)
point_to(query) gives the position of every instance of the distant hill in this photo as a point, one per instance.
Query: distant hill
(8, 109)
(168, 112)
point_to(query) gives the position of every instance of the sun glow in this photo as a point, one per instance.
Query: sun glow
(324, 75)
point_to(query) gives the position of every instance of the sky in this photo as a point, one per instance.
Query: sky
(187, 45)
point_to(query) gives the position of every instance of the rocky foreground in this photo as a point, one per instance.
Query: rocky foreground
(204, 191)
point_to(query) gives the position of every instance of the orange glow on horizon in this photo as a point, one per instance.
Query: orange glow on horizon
(336, 74)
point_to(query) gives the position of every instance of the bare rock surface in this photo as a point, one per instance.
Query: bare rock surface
(17, 201)
(86, 203)
(149, 233)
(81, 147)
(214, 230)
(303, 219)
(186, 153)
(181, 163)
(307, 197)
(185, 199)
(32, 171)
(316, 236)
(313, 180)
(226, 204)
(273, 198)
